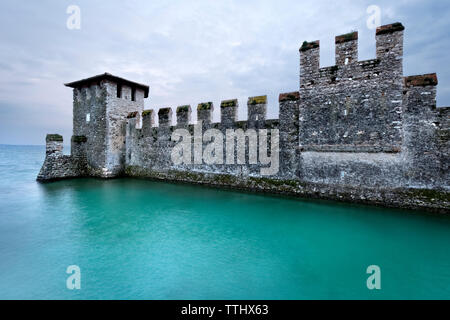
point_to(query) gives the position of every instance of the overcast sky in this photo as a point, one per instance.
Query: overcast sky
(189, 51)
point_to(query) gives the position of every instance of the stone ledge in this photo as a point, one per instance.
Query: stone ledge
(390, 28)
(289, 96)
(229, 103)
(62, 167)
(147, 112)
(204, 106)
(346, 37)
(79, 139)
(309, 45)
(164, 111)
(54, 137)
(257, 100)
(421, 80)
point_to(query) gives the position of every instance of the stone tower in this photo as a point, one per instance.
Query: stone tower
(100, 106)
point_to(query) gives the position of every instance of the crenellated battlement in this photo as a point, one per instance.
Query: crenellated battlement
(359, 101)
(356, 131)
(387, 65)
(256, 106)
(421, 80)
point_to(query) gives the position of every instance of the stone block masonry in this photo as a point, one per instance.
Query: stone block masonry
(358, 131)
(57, 165)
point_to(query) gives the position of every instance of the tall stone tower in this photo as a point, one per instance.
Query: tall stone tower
(100, 107)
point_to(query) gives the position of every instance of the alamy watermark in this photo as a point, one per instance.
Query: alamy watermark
(374, 280)
(74, 280)
(186, 152)
(374, 19)
(74, 20)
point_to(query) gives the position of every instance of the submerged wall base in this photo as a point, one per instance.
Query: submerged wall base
(406, 198)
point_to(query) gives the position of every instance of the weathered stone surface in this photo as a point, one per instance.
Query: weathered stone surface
(100, 109)
(358, 131)
(79, 139)
(54, 144)
(422, 80)
(183, 115)
(257, 109)
(59, 166)
(205, 112)
(346, 48)
(354, 104)
(289, 138)
(346, 37)
(290, 96)
(53, 137)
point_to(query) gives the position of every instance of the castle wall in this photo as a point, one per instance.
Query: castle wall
(57, 165)
(358, 131)
(354, 105)
(366, 177)
(443, 136)
(151, 147)
(426, 134)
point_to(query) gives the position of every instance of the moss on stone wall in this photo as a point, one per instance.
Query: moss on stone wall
(79, 139)
(309, 45)
(204, 106)
(290, 96)
(257, 100)
(390, 28)
(147, 113)
(164, 111)
(54, 137)
(228, 103)
(429, 195)
(347, 37)
(132, 115)
(185, 108)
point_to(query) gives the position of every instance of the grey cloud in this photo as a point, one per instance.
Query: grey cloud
(188, 51)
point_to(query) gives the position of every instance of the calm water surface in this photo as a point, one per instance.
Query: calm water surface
(136, 239)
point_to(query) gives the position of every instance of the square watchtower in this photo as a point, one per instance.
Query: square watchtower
(100, 106)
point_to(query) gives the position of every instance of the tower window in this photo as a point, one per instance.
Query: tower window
(88, 117)
(133, 94)
(119, 90)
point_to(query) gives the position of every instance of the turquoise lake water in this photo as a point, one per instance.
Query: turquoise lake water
(137, 239)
